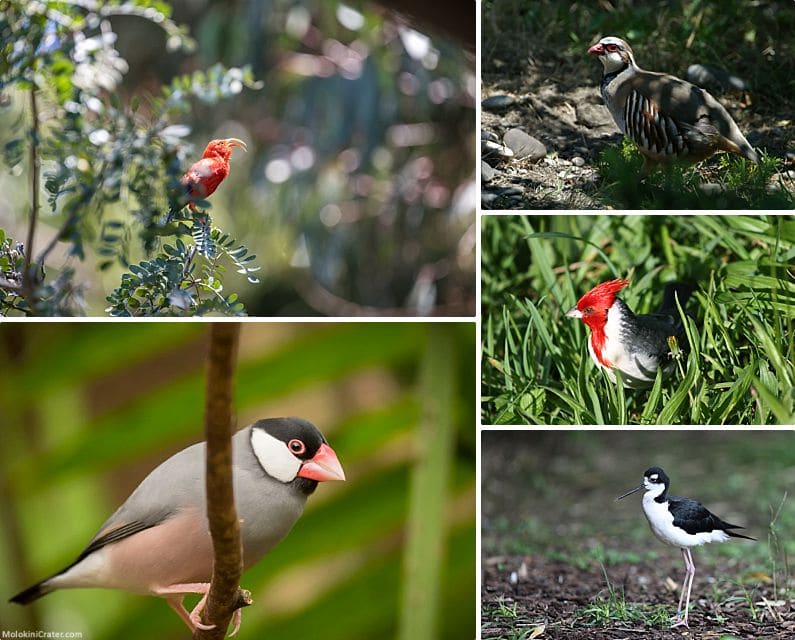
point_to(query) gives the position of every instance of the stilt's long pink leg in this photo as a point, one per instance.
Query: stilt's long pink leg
(687, 585)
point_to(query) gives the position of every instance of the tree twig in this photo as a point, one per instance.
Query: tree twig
(55, 239)
(27, 281)
(225, 594)
(70, 220)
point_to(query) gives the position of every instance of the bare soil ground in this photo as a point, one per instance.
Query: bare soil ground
(551, 594)
(556, 100)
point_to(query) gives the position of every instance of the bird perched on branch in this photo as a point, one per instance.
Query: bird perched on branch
(666, 117)
(204, 176)
(636, 345)
(158, 542)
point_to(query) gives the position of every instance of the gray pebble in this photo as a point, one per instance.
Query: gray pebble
(715, 78)
(495, 150)
(711, 188)
(486, 172)
(497, 103)
(489, 135)
(524, 145)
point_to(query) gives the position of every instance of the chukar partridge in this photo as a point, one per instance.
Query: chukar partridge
(666, 117)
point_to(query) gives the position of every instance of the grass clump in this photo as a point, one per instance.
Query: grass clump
(611, 607)
(725, 182)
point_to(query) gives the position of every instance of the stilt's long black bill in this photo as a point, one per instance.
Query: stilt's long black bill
(629, 493)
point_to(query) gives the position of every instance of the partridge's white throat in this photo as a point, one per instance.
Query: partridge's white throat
(666, 117)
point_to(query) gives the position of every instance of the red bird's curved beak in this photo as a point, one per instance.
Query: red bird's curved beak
(324, 465)
(597, 50)
(236, 142)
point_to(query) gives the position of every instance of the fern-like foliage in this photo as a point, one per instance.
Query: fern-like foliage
(185, 279)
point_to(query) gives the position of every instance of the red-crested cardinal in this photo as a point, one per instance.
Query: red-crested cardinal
(636, 345)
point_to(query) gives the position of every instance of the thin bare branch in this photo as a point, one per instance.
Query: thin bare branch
(34, 190)
(225, 594)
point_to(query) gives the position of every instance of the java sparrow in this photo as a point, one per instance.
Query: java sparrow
(158, 542)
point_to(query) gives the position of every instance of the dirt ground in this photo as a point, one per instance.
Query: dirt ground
(556, 100)
(550, 593)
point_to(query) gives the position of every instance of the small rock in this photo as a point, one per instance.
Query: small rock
(711, 188)
(497, 103)
(487, 197)
(711, 77)
(524, 145)
(486, 172)
(494, 151)
(489, 135)
(577, 161)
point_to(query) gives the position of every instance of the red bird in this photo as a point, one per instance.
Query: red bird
(203, 178)
(636, 345)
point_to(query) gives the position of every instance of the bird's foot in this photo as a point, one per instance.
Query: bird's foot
(679, 622)
(237, 619)
(174, 595)
(196, 615)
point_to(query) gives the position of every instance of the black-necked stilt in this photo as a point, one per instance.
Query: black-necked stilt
(680, 522)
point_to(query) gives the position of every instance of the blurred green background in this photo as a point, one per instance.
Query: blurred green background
(90, 408)
(357, 193)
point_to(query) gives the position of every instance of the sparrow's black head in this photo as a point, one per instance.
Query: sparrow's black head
(302, 438)
(293, 451)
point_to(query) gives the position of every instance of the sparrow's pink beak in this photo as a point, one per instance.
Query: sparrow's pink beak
(324, 465)
(597, 50)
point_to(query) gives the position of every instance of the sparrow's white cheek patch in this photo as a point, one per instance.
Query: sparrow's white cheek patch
(274, 456)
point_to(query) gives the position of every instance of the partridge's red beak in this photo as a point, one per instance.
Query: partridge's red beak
(324, 465)
(236, 142)
(597, 50)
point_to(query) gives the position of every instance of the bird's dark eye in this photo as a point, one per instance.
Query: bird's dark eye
(653, 478)
(296, 446)
(611, 47)
(588, 310)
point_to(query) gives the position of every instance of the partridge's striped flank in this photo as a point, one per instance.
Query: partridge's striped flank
(651, 130)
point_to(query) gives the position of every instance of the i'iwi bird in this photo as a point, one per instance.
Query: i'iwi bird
(683, 523)
(204, 176)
